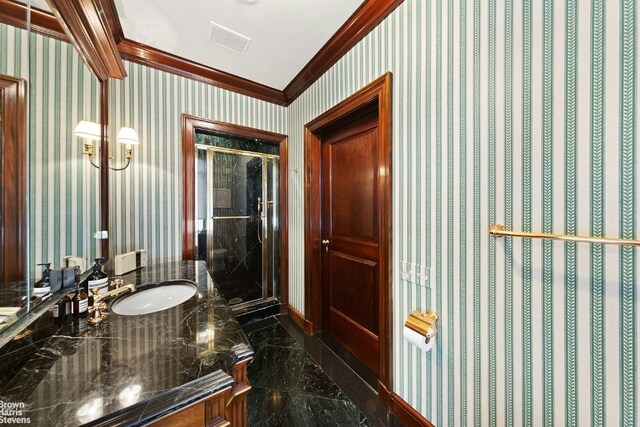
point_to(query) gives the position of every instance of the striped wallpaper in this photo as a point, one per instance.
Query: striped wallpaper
(522, 113)
(501, 113)
(146, 198)
(63, 187)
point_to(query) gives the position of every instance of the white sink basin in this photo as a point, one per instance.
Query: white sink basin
(154, 299)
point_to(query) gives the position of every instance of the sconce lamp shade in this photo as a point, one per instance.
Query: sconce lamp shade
(128, 136)
(86, 129)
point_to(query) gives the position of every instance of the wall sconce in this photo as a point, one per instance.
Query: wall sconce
(91, 131)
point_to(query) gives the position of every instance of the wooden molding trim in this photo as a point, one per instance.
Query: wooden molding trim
(380, 92)
(236, 410)
(299, 320)
(104, 168)
(189, 126)
(384, 394)
(208, 411)
(13, 95)
(407, 414)
(111, 14)
(15, 14)
(88, 28)
(365, 19)
(160, 60)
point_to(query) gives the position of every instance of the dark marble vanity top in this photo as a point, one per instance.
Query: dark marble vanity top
(129, 369)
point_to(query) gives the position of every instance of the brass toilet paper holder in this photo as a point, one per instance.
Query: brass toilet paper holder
(422, 323)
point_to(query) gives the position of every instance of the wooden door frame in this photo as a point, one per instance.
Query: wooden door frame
(379, 90)
(189, 126)
(14, 177)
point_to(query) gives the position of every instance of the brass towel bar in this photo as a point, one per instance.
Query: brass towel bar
(498, 230)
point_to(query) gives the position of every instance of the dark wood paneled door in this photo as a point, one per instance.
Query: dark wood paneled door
(350, 240)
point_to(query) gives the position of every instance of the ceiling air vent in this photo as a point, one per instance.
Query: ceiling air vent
(229, 39)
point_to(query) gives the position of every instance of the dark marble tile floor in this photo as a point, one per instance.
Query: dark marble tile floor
(298, 380)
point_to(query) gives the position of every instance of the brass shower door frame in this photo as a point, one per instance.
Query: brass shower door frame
(265, 216)
(191, 124)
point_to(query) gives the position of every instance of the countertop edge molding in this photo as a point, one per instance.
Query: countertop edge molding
(187, 393)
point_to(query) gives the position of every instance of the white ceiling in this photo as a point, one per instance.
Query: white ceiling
(285, 34)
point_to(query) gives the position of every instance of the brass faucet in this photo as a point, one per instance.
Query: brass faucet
(119, 288)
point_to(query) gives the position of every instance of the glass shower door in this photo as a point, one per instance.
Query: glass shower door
(234, 240)
(238, 216)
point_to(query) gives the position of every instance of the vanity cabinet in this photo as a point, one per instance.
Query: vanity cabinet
(209, 411)
(227, 407)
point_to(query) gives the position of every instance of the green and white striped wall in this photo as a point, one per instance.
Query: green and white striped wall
(146, 198)
(63, 187)
(522, 113)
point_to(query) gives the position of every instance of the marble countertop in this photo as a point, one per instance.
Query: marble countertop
(128, 369)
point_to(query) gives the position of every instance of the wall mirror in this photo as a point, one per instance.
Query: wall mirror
(14, 75)
(61, 193)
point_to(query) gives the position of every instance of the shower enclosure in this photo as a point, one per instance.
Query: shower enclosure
(237, 213)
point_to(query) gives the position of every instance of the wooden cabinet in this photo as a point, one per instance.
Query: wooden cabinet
(227, 407)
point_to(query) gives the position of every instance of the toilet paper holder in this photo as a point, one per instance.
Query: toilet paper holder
(422, 323)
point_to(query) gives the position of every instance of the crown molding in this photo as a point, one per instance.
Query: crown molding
(15, 14)
(90, 32)
(363, 20)
(146, 55)
(111, 14)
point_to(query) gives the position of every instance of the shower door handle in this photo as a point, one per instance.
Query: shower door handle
(326, 245)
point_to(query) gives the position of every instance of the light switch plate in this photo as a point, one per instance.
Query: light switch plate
(101, 235)
(425, 277)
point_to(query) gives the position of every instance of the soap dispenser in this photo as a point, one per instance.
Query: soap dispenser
(98, 278)
(43, 286)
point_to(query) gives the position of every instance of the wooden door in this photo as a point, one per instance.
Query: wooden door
(350, 235)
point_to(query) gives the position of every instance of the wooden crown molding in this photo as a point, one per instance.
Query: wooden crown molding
(111, 14)
(89, 29)
(15, 14)
(366, 18)
(155, 58)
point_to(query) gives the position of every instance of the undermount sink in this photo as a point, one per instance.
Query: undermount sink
(155, 299)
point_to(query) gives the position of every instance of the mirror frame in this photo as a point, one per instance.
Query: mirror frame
(14, 178)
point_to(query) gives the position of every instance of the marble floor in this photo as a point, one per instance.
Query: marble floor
(298, 380)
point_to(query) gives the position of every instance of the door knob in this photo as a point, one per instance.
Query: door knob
(326, 245)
